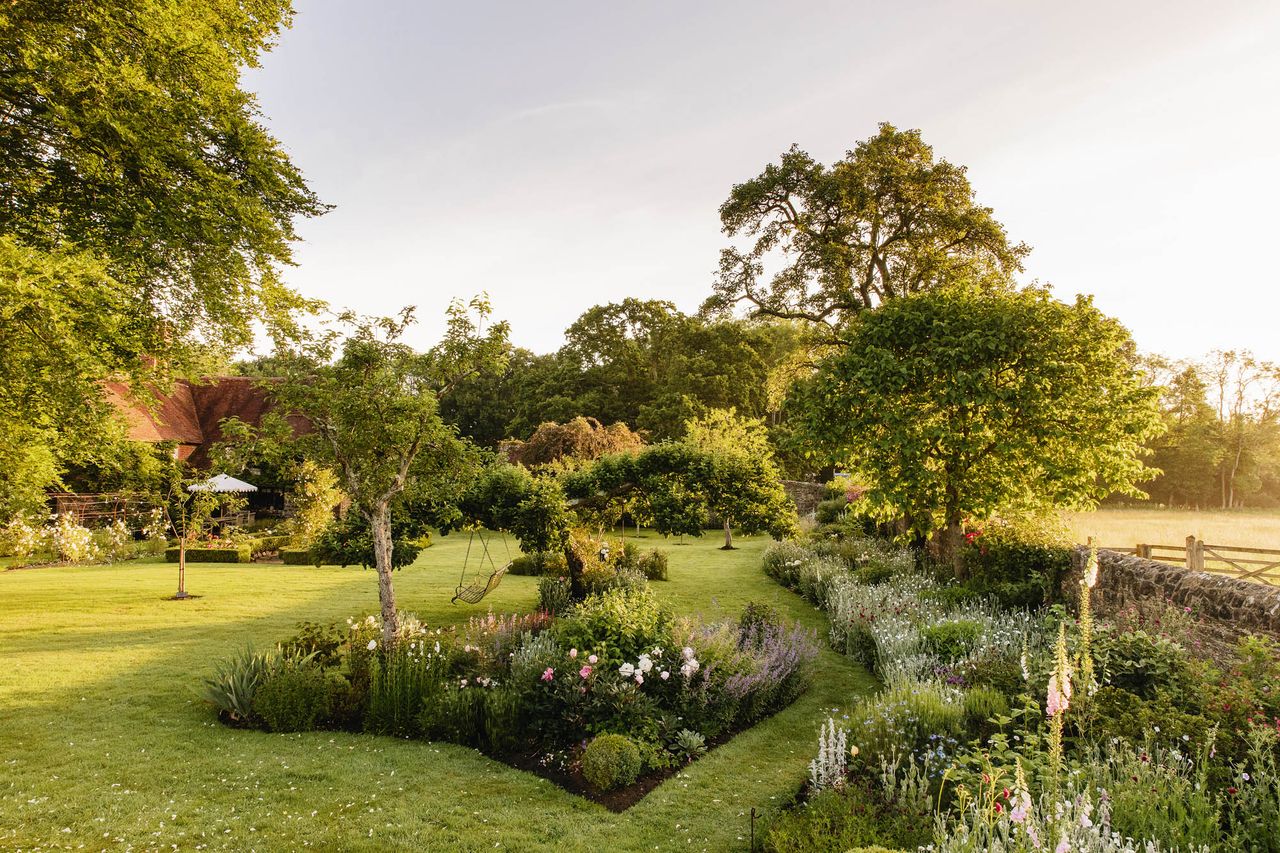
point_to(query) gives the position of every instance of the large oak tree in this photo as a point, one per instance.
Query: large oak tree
(828, 242)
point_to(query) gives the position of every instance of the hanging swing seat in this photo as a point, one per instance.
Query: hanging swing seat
(479, 588)
(474, 592)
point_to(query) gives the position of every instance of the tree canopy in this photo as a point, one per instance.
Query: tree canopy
(372, 403)
(955, 404)
(145, 211)
(886, 221)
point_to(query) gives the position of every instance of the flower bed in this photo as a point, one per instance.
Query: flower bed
(1009, 730)
(606, 700)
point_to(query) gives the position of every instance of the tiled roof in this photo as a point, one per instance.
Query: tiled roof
(192, 413)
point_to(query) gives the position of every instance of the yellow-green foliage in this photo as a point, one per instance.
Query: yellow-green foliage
(312, 500)
(611, 761)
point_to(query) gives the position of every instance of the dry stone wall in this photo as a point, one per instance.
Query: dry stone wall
(805, 495)
(1228, 608)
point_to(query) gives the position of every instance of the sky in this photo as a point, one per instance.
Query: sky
(559, 155)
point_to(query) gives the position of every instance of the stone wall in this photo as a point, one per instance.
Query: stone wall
(805, 495)
(1228, 608)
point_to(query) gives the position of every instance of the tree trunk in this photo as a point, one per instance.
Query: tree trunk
(182, 567)
(728, 537)
(577, 586)
(380, 525)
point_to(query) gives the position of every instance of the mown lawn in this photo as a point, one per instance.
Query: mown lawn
(104, 743)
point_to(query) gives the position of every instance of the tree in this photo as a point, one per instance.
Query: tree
(1246, 394)
(744, 482)
(887, 221)
(373, 406)
(579, 440)
(188, 507)
(955, 404)
(145, 211)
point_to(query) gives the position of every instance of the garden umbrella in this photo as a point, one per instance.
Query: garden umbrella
(222, 483)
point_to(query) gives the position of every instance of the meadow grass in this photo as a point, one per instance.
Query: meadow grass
(1128, 527)
(105, 744)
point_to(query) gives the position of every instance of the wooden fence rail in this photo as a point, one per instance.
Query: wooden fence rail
(1255, 564)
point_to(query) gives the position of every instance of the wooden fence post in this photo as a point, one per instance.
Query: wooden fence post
(1144, 551)
(1195, 554)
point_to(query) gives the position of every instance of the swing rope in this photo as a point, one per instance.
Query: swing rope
(473, 592)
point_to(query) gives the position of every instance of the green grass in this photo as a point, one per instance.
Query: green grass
(104, 742)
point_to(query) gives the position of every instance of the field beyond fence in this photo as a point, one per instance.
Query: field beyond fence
(1195, 539)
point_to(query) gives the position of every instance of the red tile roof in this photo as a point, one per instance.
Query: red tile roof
(192, 413)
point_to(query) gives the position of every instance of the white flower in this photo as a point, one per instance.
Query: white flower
(664, 675)
(626, 670)
(437, 647)
(592, 659)
(639, 678)
(657, 651)
(644, 664)
(373, 644)
(687, 652)
(689, 667)
(573, 653)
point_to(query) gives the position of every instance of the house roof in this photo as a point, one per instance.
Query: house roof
(192, 412)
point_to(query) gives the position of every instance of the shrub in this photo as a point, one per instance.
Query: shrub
(904, 718)
(524, 566)
(1140, 662)
(653, 565)
(235, 681)
(611, 761)
(951, 640)
(322, 643)
(617, 625)
(851, 820)
(241, 554)
(1017, 574)
(756, 616)
(555, 595)
(71, 542)
(999, 670)
(294, 698)
(982, 703)
(828, 511)
(297, 557)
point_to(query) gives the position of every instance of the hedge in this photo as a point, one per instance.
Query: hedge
(269, 543)
(212, 555)
(296, 557)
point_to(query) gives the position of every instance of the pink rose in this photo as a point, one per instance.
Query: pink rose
(548, 674)
(585, 671)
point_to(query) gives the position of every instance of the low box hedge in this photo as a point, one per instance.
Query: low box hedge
(212, 555)
(296, 557)
(269, 543)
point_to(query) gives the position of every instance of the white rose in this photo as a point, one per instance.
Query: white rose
(626, 670)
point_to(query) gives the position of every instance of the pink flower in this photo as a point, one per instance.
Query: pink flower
(548, 674)
(573, 653)
(593, 660)
(1064, 846)
(585, 671)
(1059, 699)
(639, 678)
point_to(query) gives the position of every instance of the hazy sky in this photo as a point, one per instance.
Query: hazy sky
(563, 154)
